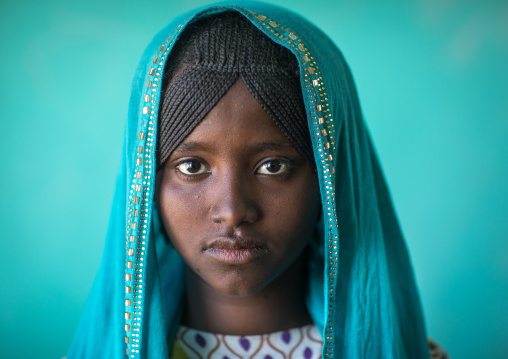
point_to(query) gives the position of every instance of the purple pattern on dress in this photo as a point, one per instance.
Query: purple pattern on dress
(268, 357)
(225, 357)
(307, 354)
(286, 337)
(244, 342)
(200, 340)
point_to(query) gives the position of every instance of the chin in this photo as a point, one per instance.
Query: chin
(237, 287)
(236, 292)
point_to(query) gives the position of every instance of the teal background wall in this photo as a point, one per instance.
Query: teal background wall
(433, 82)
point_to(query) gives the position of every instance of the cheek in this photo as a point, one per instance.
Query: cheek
(301, 202)
(180, 208)
(295, 212)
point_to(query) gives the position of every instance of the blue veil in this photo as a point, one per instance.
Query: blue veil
(362, 294)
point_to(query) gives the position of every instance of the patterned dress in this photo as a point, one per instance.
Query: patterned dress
(297, 343)
(304, 342)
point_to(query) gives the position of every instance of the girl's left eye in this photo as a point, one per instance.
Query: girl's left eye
(191, 167)
(274, 167)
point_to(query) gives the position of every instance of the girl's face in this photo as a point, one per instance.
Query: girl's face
(237, 200)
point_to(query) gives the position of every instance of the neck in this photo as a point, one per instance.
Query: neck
(278, 306)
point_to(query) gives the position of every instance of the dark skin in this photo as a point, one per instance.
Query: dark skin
(240, 204)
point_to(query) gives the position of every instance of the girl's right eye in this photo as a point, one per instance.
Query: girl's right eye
(191, 167)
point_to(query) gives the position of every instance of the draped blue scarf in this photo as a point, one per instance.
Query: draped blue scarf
(362, 294)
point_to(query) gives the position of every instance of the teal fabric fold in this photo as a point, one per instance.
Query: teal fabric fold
(362, 293)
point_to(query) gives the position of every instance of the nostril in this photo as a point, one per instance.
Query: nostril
(234, 212)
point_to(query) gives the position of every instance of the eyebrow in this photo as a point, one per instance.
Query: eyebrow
(192, 146)
(271, 146)
(259, 147)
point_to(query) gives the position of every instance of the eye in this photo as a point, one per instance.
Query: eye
(191, 167)
(274, 167)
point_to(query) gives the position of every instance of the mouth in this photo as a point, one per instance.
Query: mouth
(232, 250)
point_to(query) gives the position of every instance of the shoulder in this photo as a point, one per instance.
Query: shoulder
(436, 352)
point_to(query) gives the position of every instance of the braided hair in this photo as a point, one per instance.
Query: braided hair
(208, 58)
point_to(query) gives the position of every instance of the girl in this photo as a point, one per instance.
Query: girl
(251, 217)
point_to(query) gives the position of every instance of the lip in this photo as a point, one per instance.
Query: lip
(235, 250)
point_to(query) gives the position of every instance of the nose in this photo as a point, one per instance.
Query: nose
(234, 201)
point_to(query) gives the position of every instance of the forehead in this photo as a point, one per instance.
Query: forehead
(238, 119)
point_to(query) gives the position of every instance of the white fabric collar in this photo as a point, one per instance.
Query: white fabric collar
(303, 342)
